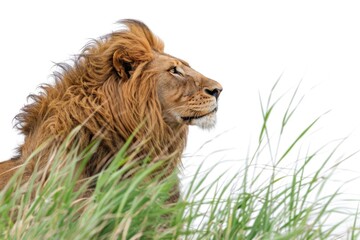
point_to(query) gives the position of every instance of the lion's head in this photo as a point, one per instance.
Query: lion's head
(121, 83)
(185, 96)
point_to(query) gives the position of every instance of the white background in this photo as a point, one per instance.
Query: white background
(245, 45)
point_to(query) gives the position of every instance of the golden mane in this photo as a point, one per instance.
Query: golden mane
(91, 93)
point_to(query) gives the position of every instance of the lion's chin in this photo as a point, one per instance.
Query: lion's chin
(205, 122)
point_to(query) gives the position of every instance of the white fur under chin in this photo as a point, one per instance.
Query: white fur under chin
(207, 122)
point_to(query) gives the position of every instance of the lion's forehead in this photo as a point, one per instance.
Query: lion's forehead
(169, 60)
(175, 59)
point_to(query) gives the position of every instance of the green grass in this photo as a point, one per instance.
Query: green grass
(277, 193)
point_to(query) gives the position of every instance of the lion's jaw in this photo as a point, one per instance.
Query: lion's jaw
(205, 122)
(186, 96)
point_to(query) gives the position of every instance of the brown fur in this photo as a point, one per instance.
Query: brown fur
(119, 82)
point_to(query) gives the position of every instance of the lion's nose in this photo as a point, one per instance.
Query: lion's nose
(214, 92)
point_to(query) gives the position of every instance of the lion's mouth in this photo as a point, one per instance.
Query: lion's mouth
(197, 117)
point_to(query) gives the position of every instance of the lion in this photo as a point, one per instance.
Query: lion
(116, 84)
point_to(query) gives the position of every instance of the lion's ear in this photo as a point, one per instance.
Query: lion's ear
(123, 64)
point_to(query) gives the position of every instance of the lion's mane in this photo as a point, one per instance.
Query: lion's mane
(109, 104)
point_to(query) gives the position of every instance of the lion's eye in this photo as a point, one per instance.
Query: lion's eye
(177, 71)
